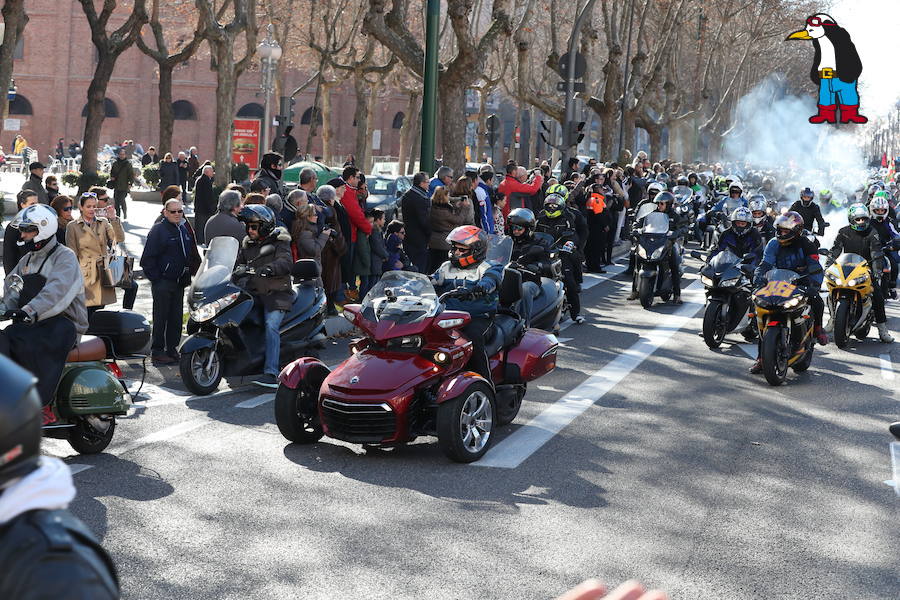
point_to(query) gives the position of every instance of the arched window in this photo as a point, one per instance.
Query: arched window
(20, 106)
(110, 108)
(252, 110)
(307, 116)
(398, 120)
(182, 110)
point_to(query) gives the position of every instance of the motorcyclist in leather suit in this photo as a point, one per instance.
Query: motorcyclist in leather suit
(467, 268)
(859, 237)
(809, 210)
(531, 254)
(791, 249)
(45, 551)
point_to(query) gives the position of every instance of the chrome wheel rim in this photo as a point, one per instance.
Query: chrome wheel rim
(476, 421)
(205, 366)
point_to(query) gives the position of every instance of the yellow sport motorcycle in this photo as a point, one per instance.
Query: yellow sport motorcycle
(785, 323)
(850, 288)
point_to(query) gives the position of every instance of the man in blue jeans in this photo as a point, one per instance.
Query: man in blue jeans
(270, 279)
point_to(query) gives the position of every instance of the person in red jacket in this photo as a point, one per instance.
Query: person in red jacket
(358, 221)
(518, 193)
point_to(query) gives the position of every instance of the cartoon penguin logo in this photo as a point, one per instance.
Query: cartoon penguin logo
(835, 69)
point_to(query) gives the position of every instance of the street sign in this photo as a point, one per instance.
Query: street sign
(578, 87)
(580, 65)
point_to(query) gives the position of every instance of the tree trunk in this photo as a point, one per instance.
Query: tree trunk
(166, 117)
(406, 133)
(516, 153)
(96, 113)
(361, 115)
(15, 19)
(417, 143)
(532, 133)
(452, 101)
(655, 133)
(326, 123)
(226, 88)
(371, 109)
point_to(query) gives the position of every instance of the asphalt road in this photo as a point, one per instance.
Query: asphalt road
(676, 467)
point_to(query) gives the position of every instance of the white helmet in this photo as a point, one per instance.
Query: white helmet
(880, 204)
(37, 217)
(654, 188)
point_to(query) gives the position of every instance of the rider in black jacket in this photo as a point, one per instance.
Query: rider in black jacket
(859, 237)
(678, 226)
(45, 552)
(809, 210)
(531, 255)
(561, 223)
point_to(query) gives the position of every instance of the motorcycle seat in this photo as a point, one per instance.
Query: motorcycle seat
(90, 348)
(546, 298)
(505, 331)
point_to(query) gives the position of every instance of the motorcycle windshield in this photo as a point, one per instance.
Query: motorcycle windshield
(850, 260)
(499, 250)
(682, 191)
(723, 260)
(656, 222)
(782, 275)
(217, 265)
(400, 297)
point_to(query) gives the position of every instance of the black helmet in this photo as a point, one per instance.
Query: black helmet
(261, 215)
(20, 422)
(806, 196)
(522, 217)
(682, 180)
(694, 175)
(468, 246)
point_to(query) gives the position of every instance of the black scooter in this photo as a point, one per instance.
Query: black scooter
(227, 325)
(653, 244)
(550, 304)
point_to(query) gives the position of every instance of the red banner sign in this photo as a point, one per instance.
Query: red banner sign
(245, 142)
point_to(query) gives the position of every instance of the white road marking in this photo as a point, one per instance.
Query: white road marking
(592, 279)
(887, 369)
(77, 468)
(254, 402)
(162, 435)
(513, 450)
(752, 350)
(564, 340)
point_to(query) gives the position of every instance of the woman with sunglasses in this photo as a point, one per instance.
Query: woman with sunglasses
(90, 237)
(63, 205)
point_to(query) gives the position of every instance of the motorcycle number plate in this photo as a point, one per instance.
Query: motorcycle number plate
(777, 288)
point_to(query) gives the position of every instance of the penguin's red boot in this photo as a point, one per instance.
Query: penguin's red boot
(850, 114)
(827, 114)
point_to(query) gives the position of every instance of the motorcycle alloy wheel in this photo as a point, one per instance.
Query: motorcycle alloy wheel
(842, 323)
(645, 291)
(465, 424)
(714, 326)
(290, 416)
(201, 370)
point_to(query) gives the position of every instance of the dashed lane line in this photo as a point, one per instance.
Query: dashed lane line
(257, 401)
(528, 439)
(75, 468)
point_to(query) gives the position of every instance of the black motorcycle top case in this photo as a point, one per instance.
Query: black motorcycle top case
(125, 332)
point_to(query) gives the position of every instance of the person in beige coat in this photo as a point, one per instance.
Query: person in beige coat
(90, 236)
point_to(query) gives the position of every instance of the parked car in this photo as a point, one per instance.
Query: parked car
(291, 174)
(385, 192)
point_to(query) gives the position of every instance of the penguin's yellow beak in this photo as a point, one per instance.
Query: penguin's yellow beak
(799, 35)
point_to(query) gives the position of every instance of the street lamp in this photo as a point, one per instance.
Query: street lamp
(269, 53)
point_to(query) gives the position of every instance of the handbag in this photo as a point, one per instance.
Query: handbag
(116, 270)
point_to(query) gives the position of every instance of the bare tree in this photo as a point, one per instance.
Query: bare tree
(166, 64)
(224, 47)
(14, 19)
(109, 47)
(391, 28)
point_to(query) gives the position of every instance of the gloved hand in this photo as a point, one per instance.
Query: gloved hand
(267, 271)
(485, 286)
(17, 315)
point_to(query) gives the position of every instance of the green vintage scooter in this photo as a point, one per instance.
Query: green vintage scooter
(91, 392)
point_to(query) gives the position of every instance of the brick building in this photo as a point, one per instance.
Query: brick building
(55, 63)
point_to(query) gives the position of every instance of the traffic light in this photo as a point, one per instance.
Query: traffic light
(576, 132)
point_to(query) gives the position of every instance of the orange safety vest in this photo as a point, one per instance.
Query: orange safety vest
(596, 203)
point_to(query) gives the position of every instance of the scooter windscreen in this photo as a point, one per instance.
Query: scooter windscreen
(500, 249)
(656, 223)
(402, 297)
(218, 264)
(723, 261)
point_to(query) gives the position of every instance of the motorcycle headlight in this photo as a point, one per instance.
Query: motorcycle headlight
(207, 311)
(657, 254)
(730, 282)
(792, 302)
(706, 281)
(405, 343)
(857, 280)
(831, 276)
(642, 252)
